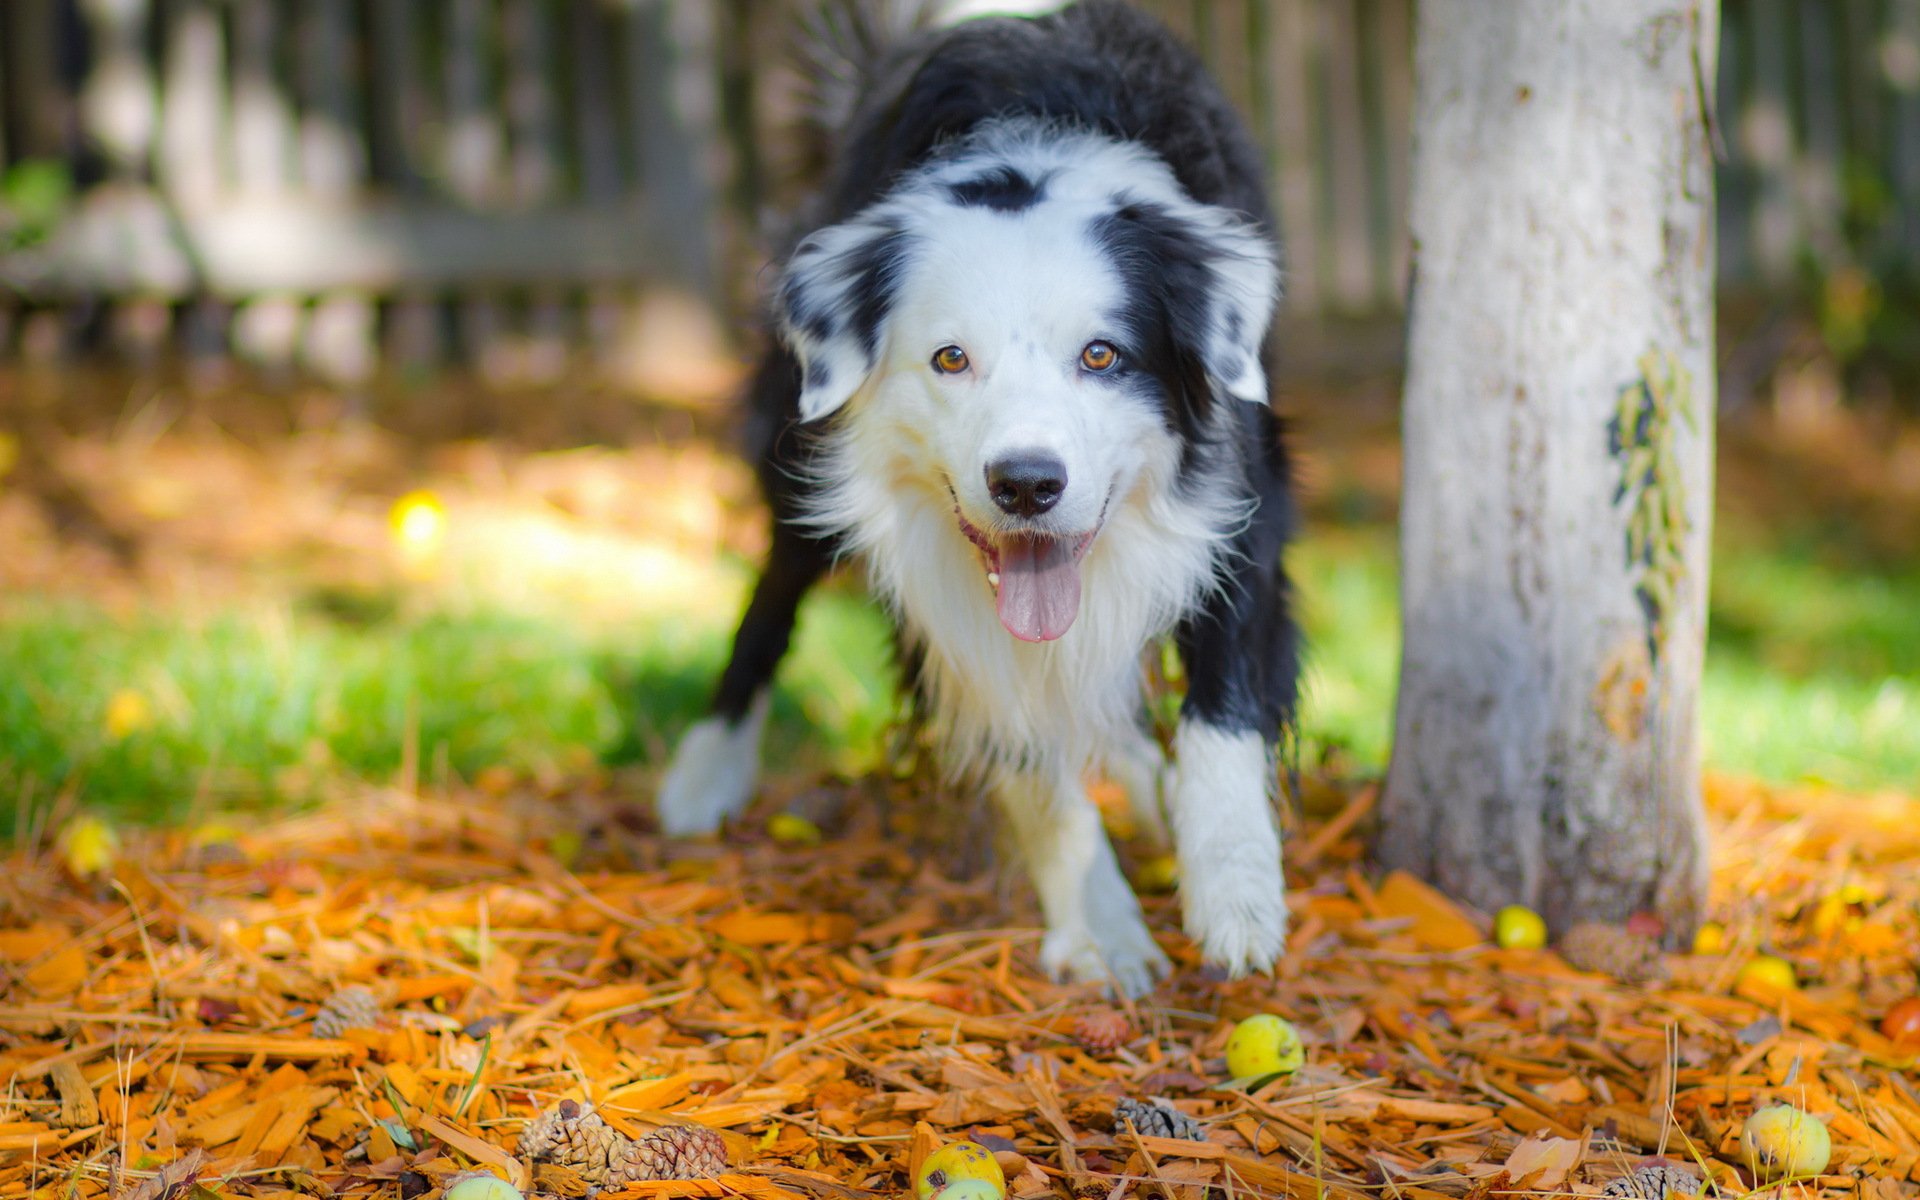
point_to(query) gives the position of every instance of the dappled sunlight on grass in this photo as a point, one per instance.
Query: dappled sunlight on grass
(1345, 587)
(342, 604)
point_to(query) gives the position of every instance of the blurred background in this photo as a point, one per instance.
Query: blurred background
(366, 371)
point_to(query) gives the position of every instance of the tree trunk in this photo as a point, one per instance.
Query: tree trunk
(1559, 434)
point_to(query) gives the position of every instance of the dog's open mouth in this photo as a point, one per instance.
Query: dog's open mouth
(1035, 578)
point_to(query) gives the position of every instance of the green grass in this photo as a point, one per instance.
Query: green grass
(1813, 671)
(275, 704)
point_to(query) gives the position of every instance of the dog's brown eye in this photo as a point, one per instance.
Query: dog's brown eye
(949, 360)
(1099, 356)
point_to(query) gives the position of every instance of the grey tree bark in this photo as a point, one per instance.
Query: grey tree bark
(1559, 457)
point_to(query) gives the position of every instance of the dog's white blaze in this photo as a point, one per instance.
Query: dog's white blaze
(713, 772)
(1232, 891)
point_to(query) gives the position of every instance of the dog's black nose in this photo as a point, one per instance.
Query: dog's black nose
(1026, 485)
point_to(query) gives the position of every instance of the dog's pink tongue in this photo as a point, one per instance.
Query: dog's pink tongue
(1039, 587)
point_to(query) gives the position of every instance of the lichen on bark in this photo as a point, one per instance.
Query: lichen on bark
(1641, 436)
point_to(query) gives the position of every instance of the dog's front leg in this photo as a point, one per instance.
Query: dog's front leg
(1241, 660)
(1232, 890)
(1094, 930)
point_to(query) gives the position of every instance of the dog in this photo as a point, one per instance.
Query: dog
(1022, 372)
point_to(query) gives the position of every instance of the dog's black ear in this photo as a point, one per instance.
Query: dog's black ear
(833, 303)
(1216, 280)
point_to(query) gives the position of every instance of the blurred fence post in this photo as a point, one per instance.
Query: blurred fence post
(267, 327)
(118, 103)
(338, 342)
(1900, 64)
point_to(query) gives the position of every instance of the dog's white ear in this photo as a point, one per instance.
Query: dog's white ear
(833, 303)
(1246, 287)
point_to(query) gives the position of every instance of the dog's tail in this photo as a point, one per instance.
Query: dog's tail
(845, 47)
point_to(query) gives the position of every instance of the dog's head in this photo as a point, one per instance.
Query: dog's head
(1036, 324)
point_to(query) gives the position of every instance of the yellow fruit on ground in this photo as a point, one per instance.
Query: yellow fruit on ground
(1782, 1142)
(88, 846)
(1710, 938)
(792, 829)
(481, 1186)
(1768, 970)
(957, 1162)
(1517, 927)
(1160, 874)
(970, 1189)
(1264, 1045)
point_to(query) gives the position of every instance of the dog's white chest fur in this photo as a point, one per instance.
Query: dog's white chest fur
(998, 701)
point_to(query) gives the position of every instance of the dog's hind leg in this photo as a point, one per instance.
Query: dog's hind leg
(1138, 766)
(718, 760)
(1094, 930)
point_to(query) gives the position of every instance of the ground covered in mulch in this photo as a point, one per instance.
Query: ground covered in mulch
(834, 1010)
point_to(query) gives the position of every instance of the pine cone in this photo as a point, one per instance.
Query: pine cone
(1103, 1032)
(670, 1152)
(1654, 1183)
(1152, 1118)
(353, 1007)
(573, 1136)
(1608, 950)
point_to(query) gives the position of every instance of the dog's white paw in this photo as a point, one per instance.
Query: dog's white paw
(712, 775)
(1232, 891)
(1234, 901)
(1121, 953)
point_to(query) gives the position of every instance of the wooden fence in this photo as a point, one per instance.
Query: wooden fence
(328, 181)
(345, 182)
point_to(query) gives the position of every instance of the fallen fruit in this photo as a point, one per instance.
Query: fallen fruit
(1901, 1025)
(1769, 970)
(1264, 1045)
(970, 1189)
(481, 1186)
(792, 829)
(88, 846)
(1517, 927)
(1710, 938)
(958, 1162)
(1158, 875)
(1781, 1142)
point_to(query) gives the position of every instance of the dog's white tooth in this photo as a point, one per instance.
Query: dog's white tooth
(993, 578)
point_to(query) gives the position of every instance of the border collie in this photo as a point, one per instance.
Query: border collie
(1021, 372)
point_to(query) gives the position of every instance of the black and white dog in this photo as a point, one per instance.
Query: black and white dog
(1021, 373)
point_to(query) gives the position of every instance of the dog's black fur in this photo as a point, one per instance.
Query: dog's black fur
(1102, 66)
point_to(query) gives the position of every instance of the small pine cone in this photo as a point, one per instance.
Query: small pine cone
(573, 1136)
(1654, 1183)
(353, 1007)
(1103, 1032)
(670, 1152)
(1608, 950)
(1151, 1118)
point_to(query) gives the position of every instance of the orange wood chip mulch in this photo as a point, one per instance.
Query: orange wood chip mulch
(833, 1012)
